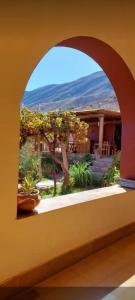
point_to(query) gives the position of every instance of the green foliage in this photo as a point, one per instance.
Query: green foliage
(116, 159)
(28, 185)
(59, 191)
(51, 126)
(66, 190)
(97, 182)
(29, 124)
(54, 128)
(113, 174)
(81, 175)
(28, 162)
(87, 158)
(48, 165)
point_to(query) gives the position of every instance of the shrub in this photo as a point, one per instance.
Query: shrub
(97, 182)
(48, 165)
(87, 158)
(28, 162)
(111, 177)
(66, 190)
(80, 174)
(116, 160)
(113, 174)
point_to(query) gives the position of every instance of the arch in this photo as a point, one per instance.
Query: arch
(124, 86)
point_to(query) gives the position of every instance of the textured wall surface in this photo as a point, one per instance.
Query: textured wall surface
(28, 29)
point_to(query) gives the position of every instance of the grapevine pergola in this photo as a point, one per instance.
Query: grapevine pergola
(53, 128)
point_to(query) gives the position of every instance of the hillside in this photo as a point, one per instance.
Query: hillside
(94, 90)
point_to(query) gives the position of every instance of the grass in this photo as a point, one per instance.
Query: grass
(49, 193)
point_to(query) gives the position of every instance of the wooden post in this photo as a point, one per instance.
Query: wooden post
(39, 157)
(101, 131)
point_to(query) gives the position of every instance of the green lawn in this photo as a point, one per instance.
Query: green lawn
(49, 192)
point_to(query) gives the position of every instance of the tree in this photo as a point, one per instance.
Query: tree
(54, 128)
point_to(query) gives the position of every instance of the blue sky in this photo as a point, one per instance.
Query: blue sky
(61, 65)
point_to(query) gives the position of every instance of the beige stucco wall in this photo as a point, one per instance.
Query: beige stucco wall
(28, 29)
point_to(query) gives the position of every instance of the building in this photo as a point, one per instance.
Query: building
(104, 128)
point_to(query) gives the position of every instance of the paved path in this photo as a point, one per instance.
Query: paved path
(46, 184)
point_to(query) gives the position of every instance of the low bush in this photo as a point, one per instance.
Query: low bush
(111, 177)
(87, 158)
(113, 174)
(48, 166)
(116, 160)
(81, 175)
(28, 164)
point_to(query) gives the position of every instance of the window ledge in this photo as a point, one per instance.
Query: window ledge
(58, 202)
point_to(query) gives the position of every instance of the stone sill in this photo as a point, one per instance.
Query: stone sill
(127, 183)
(59, 202)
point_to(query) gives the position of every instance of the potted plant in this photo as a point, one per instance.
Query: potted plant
(28, 196)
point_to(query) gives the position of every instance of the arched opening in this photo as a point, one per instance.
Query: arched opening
(121, 80)
(124, 86)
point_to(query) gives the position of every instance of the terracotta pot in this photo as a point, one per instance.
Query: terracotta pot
(27, 203)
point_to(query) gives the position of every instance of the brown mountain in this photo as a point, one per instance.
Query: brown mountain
(94, 90)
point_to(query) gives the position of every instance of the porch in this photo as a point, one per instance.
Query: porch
(104, 133)
(101, 272)
(101, 269)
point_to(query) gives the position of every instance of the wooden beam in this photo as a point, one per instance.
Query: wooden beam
(90, 116)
